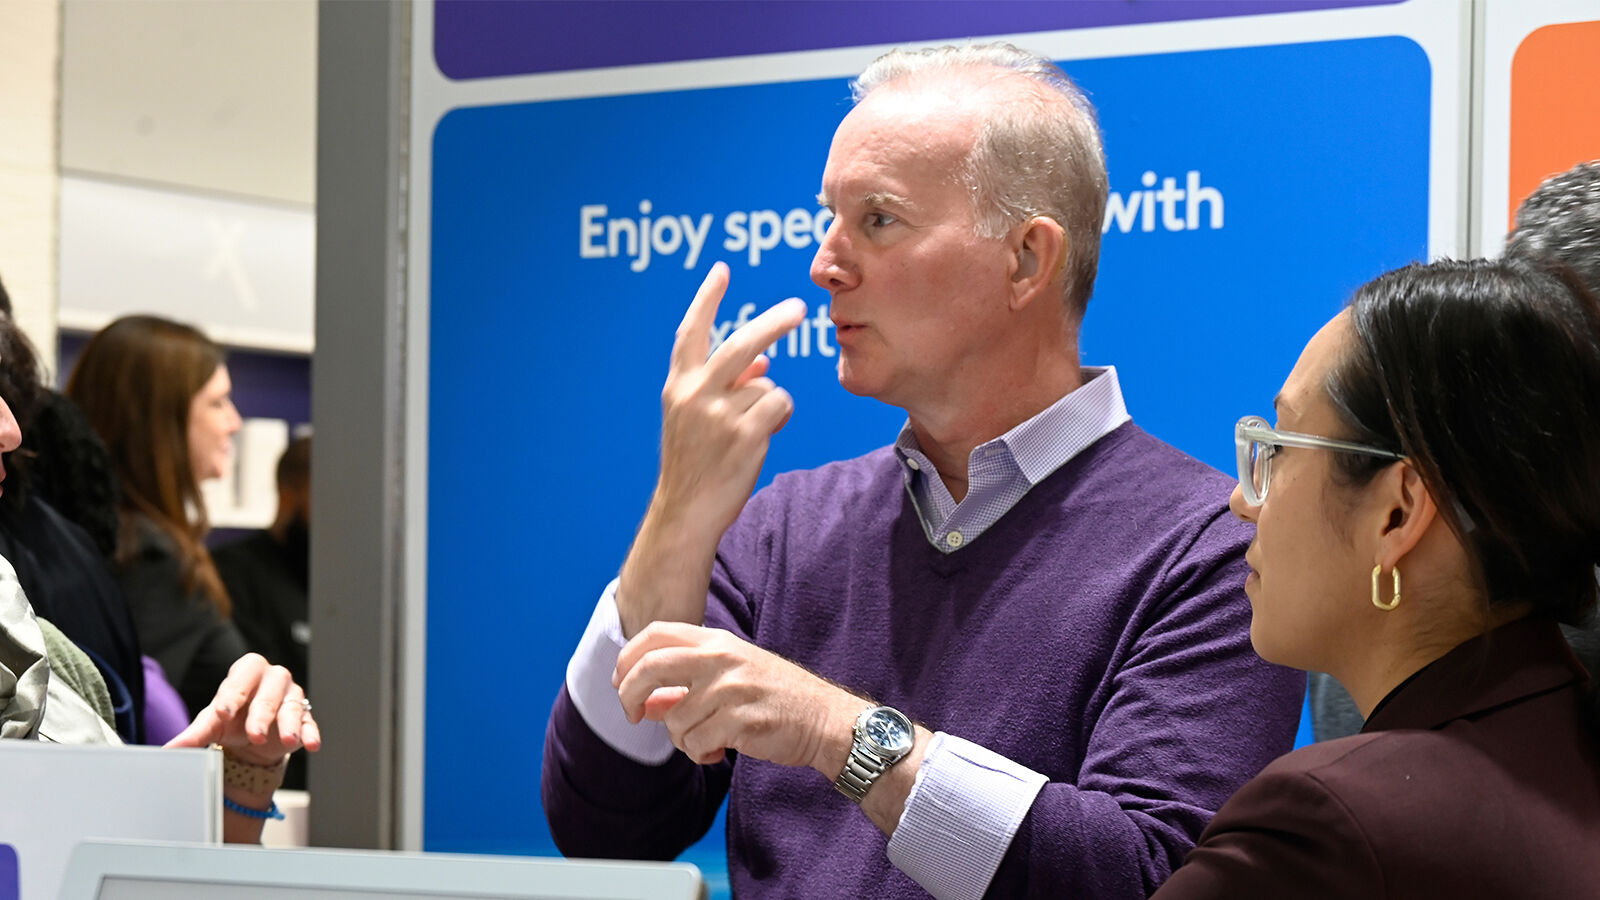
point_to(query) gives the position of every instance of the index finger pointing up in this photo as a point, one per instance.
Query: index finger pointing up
(741, 348)
(693, 343)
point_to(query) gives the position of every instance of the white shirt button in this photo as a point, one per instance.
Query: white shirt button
(954, 540)
(915, 466)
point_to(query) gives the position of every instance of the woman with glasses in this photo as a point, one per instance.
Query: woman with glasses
(1427, 510)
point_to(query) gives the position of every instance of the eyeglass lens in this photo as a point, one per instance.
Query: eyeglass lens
(1260, 468)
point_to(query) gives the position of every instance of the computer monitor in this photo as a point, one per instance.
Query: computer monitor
(129, 870)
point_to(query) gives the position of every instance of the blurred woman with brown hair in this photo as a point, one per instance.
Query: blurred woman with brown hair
(158, 393)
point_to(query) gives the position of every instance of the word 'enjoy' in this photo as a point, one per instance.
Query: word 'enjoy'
(648, 238)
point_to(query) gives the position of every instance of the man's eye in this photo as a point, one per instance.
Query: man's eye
(879, 220)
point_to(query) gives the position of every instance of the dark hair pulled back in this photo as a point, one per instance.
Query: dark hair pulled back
(1486, 375)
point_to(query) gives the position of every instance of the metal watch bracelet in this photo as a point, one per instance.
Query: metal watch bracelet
(861, 769)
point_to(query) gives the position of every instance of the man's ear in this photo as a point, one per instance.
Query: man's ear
(1407, 512)
(1040, 256)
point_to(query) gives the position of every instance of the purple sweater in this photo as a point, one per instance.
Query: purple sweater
(1098, 634)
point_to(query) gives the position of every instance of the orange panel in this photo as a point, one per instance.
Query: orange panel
(1555, 105)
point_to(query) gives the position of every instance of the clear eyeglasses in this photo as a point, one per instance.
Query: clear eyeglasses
(1257, 442)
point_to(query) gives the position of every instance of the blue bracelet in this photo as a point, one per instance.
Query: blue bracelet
(271, 812)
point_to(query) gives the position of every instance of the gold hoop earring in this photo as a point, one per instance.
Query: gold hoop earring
(1393, 601)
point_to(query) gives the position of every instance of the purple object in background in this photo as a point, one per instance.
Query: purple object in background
(165, 716)
(489, 38)
(10, 879)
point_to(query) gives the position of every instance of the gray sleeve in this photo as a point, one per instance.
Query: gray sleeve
(1333, 712)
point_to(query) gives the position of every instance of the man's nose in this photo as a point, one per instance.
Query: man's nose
(830, 268)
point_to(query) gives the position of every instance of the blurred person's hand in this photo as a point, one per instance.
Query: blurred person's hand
(259, 715)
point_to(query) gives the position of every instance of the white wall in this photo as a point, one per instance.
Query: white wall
(188, 147)
(30, 42)
(198, 94)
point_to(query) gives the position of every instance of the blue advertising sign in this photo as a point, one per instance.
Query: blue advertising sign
(1252, 190)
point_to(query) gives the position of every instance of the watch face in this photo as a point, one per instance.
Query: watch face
(889, 731)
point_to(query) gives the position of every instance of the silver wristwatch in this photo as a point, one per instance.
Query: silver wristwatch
(883, 738)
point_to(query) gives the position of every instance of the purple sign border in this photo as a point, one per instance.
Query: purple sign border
(496, 38)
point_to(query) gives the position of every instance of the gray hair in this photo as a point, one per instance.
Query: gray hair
(1032, 157)
(1561, 220)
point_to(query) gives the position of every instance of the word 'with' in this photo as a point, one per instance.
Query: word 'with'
(1124, 211)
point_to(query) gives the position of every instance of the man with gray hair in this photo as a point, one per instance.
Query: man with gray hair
(1015, 641)
(1560, 222)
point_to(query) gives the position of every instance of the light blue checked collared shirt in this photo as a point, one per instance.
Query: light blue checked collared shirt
(1000, 471)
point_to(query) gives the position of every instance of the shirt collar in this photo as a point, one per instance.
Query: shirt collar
(1046, 441)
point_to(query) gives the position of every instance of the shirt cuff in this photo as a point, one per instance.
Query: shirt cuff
(589, 685)
(964, 808)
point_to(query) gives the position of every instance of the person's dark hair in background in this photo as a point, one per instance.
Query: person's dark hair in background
(65, 460)
(267, 576)
(22, 379)
(1559, 222)
(292, 527)
(294, 466)
(69, 465)
(65, 575)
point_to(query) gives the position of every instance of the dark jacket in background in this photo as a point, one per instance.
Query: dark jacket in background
(267, 587)
(69, 582)
(182, 629)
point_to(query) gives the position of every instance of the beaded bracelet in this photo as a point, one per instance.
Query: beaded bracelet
(271, 812)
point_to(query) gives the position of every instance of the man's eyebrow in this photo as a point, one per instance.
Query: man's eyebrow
(870, 198)
(1279, 404)
(884, 198)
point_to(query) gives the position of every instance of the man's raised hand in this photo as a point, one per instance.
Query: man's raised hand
(718, 413)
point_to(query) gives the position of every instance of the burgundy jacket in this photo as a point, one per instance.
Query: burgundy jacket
(1477, 778)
